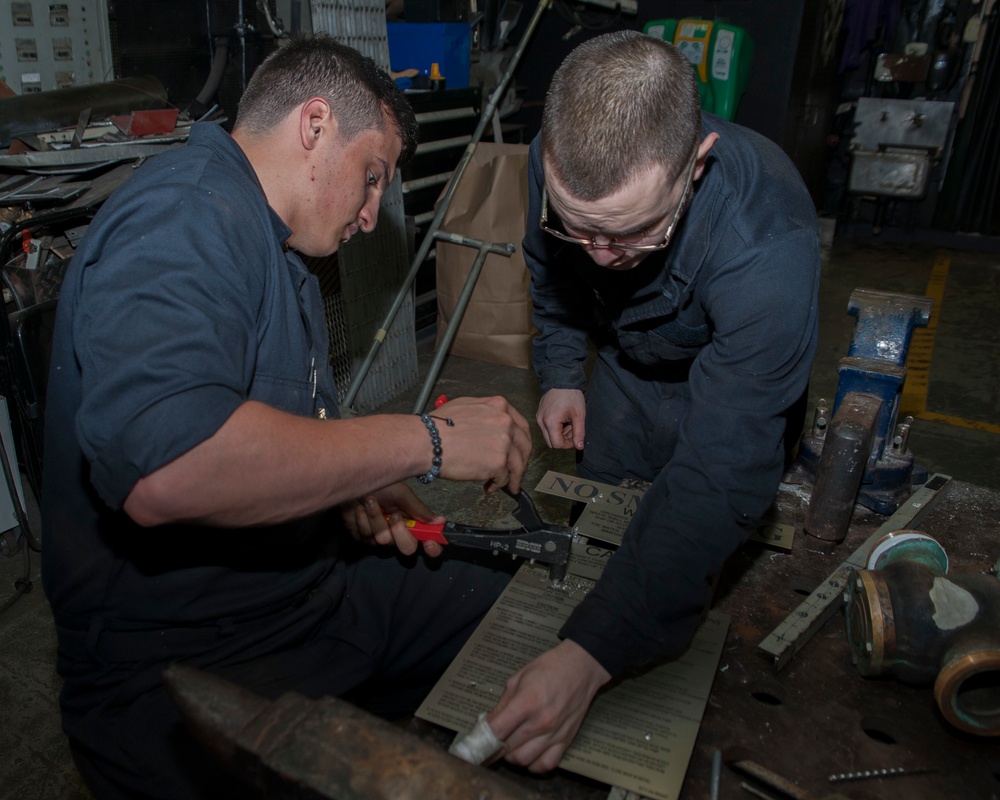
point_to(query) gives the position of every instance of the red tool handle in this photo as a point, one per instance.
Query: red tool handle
(425, 531)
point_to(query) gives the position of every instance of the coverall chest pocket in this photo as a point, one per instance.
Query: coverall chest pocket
(294, 395)
(655, 343)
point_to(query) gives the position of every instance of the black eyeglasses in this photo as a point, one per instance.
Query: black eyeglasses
(621, 243)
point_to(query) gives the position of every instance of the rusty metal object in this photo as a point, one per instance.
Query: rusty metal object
(818, 715)
(772, 779)
(295, 747)
(57, 108)
(842, 465)
(913, 622)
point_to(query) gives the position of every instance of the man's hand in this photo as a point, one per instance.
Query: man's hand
(489, 438)
(544, 703)
(561, 415)
(365, 519)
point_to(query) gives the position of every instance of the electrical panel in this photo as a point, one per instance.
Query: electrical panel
(46, 46)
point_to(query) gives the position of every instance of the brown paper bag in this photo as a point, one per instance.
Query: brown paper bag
(490, 203)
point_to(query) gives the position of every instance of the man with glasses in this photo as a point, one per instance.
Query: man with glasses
(685, 248)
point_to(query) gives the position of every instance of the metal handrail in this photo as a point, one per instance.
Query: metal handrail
(425, 245)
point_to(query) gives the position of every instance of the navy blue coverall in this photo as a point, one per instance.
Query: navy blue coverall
(701, 351)
(181, 303)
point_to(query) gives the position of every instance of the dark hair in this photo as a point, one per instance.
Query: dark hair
(357, 88)
(619, 103)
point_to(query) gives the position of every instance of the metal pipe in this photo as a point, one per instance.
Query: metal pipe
(220, 60)
(425, 245)
(422, 183)
(445, 115)
(278, 32)
(442, 144)
(846, 451)
(485, 248)
(716, 775)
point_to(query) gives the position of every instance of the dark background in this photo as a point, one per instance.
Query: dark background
(812, 59)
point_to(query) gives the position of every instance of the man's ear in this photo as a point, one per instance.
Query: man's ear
(703, 148)
(315, 121)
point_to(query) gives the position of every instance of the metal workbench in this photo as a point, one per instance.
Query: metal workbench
(817, 715)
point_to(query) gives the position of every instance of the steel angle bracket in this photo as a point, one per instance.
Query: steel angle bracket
(793, 633)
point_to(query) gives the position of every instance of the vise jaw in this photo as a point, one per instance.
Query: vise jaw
(861, 453)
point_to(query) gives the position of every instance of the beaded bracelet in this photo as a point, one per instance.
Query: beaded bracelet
(435, 470)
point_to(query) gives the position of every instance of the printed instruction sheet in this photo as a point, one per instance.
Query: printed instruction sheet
(638, 735)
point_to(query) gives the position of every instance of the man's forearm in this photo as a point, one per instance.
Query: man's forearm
(265, 466)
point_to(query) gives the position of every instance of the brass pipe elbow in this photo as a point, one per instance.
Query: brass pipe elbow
(908, 619)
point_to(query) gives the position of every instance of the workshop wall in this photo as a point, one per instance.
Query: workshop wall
(774, 26)
(812, 61)
(178, 42)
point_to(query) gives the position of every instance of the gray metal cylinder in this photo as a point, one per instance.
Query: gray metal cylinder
(846, 450)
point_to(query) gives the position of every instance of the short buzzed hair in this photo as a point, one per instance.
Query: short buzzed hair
(357, 88)
(620, 103)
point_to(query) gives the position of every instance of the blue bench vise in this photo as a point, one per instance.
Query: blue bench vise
(861, 453)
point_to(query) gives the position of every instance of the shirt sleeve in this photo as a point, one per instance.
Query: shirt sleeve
(562, 305)
(728, 461)
(164, 330)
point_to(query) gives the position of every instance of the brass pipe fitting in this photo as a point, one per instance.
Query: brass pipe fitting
(906, 618)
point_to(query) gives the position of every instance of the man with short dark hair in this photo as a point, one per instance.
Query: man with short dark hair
(200, 503)
(686, 249)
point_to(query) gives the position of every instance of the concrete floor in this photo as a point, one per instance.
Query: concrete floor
(958, 434)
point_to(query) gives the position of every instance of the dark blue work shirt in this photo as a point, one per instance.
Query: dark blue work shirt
(181, 303)
(727, 315)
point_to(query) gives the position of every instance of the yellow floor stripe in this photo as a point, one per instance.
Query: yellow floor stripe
(958, 422)
(918, 360)
(913, 400)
